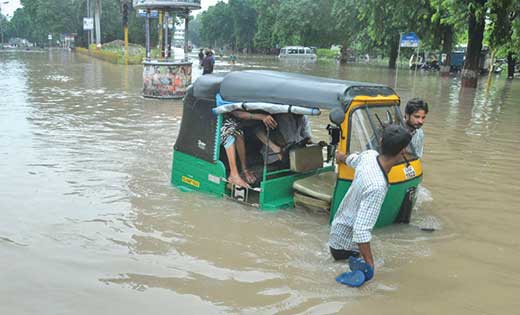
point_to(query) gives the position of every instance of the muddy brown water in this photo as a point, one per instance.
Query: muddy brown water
(89, 223)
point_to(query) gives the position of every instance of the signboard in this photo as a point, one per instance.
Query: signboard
(172, 4)
(409, 40)
(49, 37)
(88, 24)
(153, 13)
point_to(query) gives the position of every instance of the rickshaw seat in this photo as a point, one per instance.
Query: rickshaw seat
(319, 186)
(306, 158)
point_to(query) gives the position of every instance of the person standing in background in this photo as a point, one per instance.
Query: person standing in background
(201, 57)
(415, 114)
(208, 62)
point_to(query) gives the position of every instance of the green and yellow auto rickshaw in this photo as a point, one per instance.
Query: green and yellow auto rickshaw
(357, 112)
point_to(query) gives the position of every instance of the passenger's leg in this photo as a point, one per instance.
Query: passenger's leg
(241, 149)
(260, 134)
(234, 176)
(341, 254)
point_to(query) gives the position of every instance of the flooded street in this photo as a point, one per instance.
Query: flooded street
(89, 223)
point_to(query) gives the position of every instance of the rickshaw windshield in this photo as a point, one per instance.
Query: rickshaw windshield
(367, 126)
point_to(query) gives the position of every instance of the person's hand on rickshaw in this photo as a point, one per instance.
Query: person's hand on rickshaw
(340, 157)
(269, 121)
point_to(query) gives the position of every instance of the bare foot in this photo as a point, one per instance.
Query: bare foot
(278, 151)
(238, 181)
(249, 176)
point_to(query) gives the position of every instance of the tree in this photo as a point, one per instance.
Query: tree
(382, 21)
(447, 23)
(217, 26)
(266, 11)
(303, 22)
(476, 12)
(244, 23)
(194, 31)
(502, 14)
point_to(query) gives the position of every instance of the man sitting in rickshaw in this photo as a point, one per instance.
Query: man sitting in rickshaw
(293, 130)
(232, 137)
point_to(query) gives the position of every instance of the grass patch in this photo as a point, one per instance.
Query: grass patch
(114, 52)
(326, 53)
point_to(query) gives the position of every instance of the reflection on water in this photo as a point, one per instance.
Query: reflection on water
(89, 221)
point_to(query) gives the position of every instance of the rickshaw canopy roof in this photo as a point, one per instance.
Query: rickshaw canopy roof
(285, 88)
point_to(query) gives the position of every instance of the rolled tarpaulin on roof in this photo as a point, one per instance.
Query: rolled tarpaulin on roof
(226, 107)
(267, 107)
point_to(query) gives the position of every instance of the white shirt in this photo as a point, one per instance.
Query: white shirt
(417, 142)
(358, 212)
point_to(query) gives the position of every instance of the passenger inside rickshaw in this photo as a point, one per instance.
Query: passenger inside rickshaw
(232, 137)
(367, 126)
(292, 131)
(268, 141)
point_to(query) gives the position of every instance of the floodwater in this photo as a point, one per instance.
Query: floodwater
(89, 223)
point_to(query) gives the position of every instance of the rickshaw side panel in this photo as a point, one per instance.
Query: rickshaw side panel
(277, 193)
(391, 206)
(394, 201)
(193, 174)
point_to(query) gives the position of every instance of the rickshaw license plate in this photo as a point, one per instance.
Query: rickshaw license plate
(409, 172)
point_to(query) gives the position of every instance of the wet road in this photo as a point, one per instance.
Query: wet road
(90, 224)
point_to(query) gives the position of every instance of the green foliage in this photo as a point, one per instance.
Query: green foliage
(363, 26)
(265, 20)
(216, 26)
(502, 15)
(304, 22)
(38, 18)
(244, 22)
(194, 32)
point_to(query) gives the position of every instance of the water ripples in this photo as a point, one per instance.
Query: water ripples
(88, 161)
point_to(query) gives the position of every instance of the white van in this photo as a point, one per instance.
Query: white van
(297, 52)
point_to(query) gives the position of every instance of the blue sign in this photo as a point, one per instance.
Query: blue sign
(409, 40)
(153, 13)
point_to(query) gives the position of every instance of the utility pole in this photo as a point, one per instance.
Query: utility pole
(147, 29)
(89, 14)
(89, 32)
(166, 39)
(186, 21)
(97, 23)
(161, 28)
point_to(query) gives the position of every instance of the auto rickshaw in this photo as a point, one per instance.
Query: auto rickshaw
(357, 112)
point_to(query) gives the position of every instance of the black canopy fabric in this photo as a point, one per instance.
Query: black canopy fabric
(285, 88)
(207, 86)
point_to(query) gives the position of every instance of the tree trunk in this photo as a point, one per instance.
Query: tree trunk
(476, 24)
(447, 44)
(394, 47)
(510, 65)
(343, 54)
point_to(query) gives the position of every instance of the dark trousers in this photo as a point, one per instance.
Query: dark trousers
(341, 254)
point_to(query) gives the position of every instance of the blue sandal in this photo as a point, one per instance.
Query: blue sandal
(358, 264)
(352, 279)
